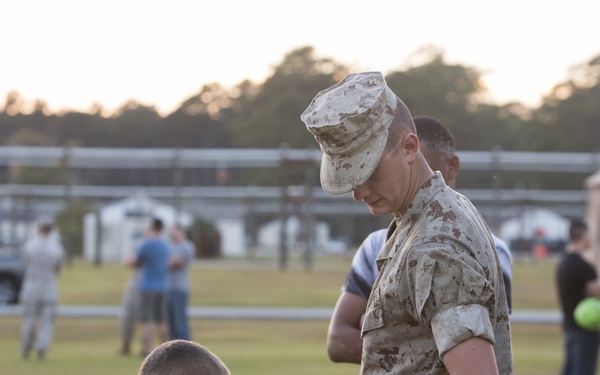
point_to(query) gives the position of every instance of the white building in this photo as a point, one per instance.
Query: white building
(122, 224)
(533, 226)
(232, 237)
(269, 237)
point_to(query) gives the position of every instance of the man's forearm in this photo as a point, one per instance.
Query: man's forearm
(474, 356)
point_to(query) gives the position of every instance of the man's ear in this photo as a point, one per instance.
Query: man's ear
(453, 167)
(410, 145)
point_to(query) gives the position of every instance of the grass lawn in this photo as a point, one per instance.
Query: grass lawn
(89, 345)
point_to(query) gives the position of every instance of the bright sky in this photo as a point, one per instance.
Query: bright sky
(71, 53)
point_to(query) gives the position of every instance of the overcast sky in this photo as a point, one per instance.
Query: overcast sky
(73, 53)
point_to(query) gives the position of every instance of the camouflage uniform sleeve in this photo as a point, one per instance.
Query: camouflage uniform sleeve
(453, 295)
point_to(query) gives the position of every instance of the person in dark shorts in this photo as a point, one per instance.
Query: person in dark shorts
(152, 259)
(576, 279)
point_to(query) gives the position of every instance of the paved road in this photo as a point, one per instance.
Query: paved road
(268, 313)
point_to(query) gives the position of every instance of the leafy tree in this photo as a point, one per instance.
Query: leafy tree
(84, 129)
(430, 86)
(46, 175)
(267, 115)
(206, 237)
(271, 116)
(499, 127)
(200, 120)
(136, 125)
(569, 119)
(70, 226)
(13, 103)
(29, 137)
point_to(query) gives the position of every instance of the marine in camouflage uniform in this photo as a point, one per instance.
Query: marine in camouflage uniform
(439, 284)
(43, 257)
(439, 303)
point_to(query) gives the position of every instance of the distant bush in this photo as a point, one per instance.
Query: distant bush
(206, 237)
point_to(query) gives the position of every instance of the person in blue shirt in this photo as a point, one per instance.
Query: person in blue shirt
(152, 258)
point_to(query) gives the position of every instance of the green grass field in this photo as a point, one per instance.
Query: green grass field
(249, 347)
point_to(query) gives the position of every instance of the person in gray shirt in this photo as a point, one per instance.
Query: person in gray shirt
(182, 254)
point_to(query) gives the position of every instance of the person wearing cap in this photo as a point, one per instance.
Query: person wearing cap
(438, 305)
(343, 337)
(43, 256)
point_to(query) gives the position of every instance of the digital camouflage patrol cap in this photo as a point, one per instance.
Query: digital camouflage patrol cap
(350, 120)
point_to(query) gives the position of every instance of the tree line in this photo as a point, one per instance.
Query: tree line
(267, 114)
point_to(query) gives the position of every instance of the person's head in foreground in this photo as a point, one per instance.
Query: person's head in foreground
(182, 357)
(369, 143)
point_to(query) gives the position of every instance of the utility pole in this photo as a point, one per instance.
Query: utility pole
(177, 182)
(68, 203)
(283, 214)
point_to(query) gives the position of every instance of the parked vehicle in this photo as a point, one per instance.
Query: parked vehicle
(12, 270)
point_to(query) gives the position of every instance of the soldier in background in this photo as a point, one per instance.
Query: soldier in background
(43, 257)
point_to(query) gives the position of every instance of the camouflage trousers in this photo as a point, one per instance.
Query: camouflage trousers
(41, 313)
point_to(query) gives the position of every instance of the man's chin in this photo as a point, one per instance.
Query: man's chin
(378, 211)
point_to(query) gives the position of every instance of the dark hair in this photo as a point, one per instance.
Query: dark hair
(433, 133)
(182, 357)
(157, 224)
(46, 227)
(577, 229)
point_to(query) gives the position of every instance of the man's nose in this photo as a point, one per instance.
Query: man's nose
(360, 193)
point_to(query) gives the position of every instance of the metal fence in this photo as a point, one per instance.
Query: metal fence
(190, 178)
(259, 313)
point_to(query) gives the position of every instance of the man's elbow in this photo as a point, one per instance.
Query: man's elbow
(340, 352)
(333, 350)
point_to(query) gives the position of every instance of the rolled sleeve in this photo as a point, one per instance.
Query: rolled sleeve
(455, 325)
(453, 296)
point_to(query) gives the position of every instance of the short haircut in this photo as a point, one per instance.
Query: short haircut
(434, 134)
(402, 121)
(157, 224)
(182, 357)
(577, 229)
(46, 227)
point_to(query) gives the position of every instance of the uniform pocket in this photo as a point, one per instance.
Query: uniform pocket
(424, 275)
(374, 318)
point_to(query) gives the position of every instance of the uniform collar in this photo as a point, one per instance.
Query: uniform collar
(399, 227)
(424, 195)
